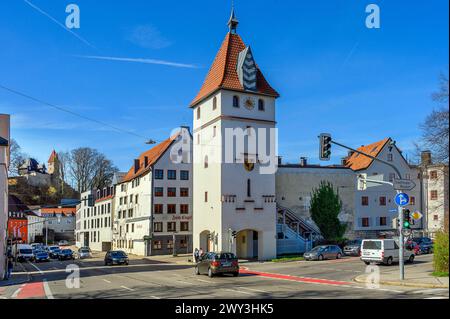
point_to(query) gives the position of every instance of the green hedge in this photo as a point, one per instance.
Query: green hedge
(440, 259)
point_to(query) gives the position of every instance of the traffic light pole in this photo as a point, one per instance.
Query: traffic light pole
(400, 209)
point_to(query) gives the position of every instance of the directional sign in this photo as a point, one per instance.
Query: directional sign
(417, 216)
(402, 199)
(404, 184)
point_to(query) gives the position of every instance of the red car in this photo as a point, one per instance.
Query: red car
(412, 245)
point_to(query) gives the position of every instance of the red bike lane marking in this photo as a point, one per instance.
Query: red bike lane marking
(32, 290)
(295, 278)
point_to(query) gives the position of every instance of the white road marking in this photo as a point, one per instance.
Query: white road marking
(252, 289)
(430, 291)
(238, 291)
(47, 290)
(201, 280)
(154, 297)
(185, 282)
(124, 287)
(36, 267)
(105, 280)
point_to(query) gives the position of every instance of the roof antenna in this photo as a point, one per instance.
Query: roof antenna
(233, 22)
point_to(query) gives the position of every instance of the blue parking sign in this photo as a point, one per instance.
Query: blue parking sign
(402, 199)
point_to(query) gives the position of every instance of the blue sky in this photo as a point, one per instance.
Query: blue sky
(334, 75)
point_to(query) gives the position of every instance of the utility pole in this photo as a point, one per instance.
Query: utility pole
(325, 152)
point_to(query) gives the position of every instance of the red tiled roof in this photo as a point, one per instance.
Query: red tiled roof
(52, 157)
(153, 155)
(59, 210)
(223, 73)
(358, 162)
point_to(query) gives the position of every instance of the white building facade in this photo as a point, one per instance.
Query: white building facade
(153, 203)
(95, 219)
(232, 193)
(4, 164)
(35, 226)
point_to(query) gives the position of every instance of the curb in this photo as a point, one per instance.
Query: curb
(362, 279)
(19, 282)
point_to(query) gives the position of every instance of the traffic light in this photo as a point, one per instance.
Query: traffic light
(406, 219)
(395, 223)
(325, 147)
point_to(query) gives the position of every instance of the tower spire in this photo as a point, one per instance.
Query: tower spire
(233, 22)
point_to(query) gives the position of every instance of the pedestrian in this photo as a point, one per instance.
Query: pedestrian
(196, 255)
(200, 253)
(9, 268)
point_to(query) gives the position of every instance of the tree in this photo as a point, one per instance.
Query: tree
(325, 208)
(90, 169)
(435, 128)
(16, 158)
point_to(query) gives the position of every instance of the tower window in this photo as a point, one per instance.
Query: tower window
(206, 161)
(235, 101)
(261, 105)
(198, 113)
(214, 103)
(214, 131)
(249, 193)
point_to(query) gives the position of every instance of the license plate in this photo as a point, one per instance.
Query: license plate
(226, 264)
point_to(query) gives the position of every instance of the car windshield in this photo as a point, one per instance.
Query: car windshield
(84, 251)
(227, 256)
(66, 251)
(118, 254)
(25, 251)
(42, 253)
(317, 248)
(54, 248)
(372, 244)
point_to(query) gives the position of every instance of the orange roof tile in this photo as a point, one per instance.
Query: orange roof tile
(358, 162)
(223, 73)
(52, 157)
(59, 210)
(153, 155)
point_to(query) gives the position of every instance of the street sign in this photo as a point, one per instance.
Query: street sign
(404, 184)
(402, 199)
(417, 216)
(406, 232)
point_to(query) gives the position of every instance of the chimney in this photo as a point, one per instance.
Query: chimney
(280, 160)
(145, 161)
(425, 157)
(303, 161)
(137, 164)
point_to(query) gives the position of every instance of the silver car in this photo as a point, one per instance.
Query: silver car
(84, 253)
(324, 252)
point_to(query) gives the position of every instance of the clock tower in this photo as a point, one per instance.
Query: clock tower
(234, 153)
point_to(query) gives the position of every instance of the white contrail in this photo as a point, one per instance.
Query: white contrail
(138, 60)
(60, 24)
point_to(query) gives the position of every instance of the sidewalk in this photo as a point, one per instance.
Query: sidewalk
(181, 259)
(18, 277)
(419, 276)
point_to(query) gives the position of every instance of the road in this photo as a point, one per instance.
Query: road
(147, 279)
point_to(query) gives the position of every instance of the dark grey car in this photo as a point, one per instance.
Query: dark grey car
(217, 263)
(353, 247)
(324, 252)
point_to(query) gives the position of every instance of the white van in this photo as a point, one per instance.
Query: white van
(385, 251)
(22, 252)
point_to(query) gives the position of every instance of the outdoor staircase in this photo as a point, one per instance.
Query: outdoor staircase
(294, 234)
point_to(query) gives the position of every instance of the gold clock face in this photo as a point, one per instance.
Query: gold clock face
(249, 103)
(249, 166)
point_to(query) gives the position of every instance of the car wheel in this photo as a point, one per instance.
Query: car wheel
(338, 256)
(210, 273)
(196, 271)
(320, 257)
(389, 261)
(236, 274)
(367, 263)
(411, 259)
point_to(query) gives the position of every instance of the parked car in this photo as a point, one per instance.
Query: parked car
(116, 257)
(84, 253)
(41, 255)
(37, 246)
(65, 254)
(217, 263)
(425, 244)
(23, 252)
(383, 251)
(54, 251)
(353, 247)
(63, 243)
(324, 252)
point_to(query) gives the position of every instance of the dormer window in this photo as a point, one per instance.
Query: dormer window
(235, 101)
(214, 103)
(261, 106)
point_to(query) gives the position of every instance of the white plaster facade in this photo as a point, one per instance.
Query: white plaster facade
(94, 224)
(137, 216)
(221, 201)
(4, 164)
(35, 226)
